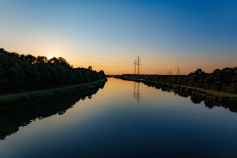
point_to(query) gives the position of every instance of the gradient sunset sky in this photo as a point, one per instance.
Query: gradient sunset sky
(110, 34)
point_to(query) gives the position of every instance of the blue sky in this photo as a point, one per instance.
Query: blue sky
(103, 33)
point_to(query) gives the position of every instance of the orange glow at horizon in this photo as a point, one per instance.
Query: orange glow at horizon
(163, 70)
(123, 63)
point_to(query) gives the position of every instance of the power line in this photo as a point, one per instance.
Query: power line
(138, 65)
(135, 66)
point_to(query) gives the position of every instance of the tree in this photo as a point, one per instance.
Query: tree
(101, 74)
(27, 72)
(90, 68)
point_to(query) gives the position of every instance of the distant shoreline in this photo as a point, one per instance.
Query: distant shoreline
(209, 96)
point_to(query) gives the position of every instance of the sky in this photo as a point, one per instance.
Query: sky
(110, 34)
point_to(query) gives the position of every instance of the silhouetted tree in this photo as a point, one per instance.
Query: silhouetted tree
(26, 72)
(221, 80)
(90, 68)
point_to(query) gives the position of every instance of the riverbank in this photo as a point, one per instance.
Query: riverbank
(210, 97)
(13, 99)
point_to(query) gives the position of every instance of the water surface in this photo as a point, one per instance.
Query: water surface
(124, 119)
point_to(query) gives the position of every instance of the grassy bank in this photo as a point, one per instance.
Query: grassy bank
(11, 99)
(202, 90)
(215, 96)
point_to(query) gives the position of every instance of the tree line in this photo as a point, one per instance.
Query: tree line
(26, 72)
(220, 79)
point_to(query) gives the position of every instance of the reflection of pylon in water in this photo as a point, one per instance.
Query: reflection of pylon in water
(136, 92)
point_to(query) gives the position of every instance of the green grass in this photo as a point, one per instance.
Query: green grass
(207, 91)
(212, 95)
(45, 93)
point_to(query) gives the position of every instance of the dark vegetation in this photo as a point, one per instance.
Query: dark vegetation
(216, 88)
(224, 80)
(197, 95)
(20, 73)
(22, 114)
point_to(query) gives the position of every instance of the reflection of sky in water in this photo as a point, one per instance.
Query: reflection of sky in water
(112, 123)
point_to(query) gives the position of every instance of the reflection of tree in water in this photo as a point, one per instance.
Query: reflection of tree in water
(136, 92)
(11, 119)
(209, 101)
(197, 97)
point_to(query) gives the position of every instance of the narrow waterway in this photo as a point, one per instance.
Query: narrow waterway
(122, 119)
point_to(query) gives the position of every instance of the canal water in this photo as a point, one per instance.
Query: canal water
(122, 119)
